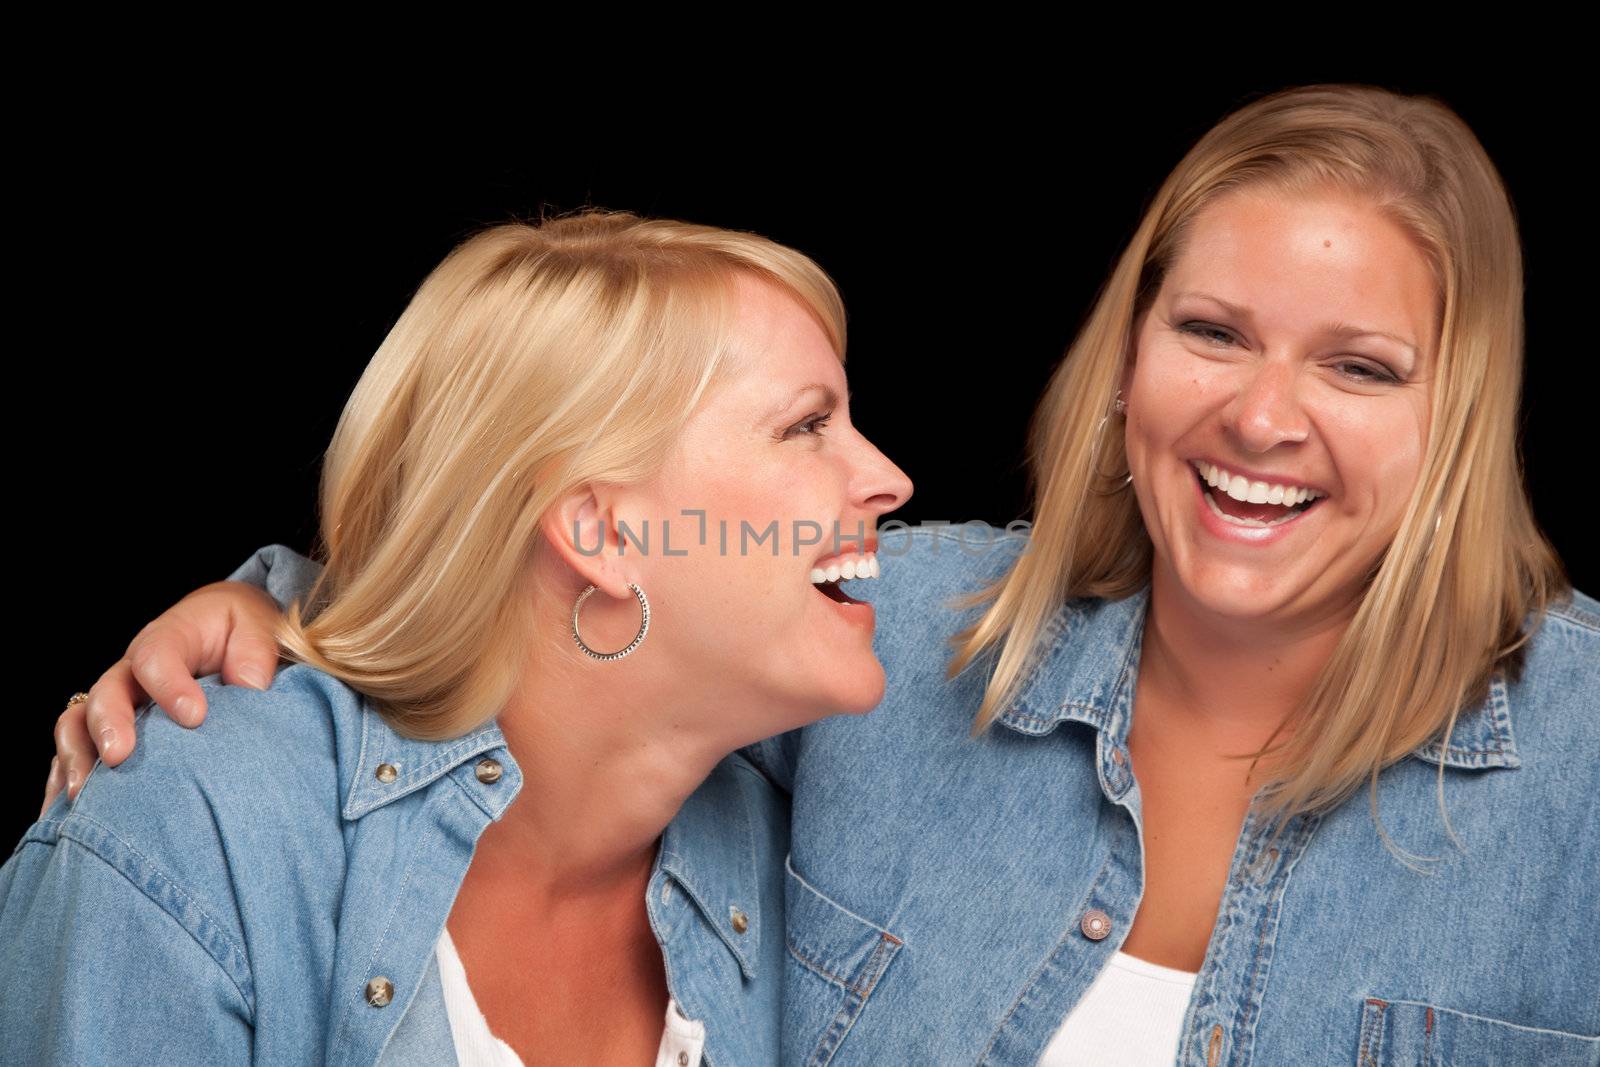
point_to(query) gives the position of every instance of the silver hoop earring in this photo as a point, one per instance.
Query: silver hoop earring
(638, 638)
(1099, 438)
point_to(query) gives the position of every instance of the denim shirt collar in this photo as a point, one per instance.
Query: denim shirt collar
(1090, 649)
(709, 848)
(417, 763)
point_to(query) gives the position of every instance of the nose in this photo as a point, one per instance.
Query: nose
(1267, 411)
(877, 485)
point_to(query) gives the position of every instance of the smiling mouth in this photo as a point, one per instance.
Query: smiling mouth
(1245, 513)
(832, 591)
(825, 580)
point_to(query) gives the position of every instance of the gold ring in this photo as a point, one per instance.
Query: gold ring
(77, 698)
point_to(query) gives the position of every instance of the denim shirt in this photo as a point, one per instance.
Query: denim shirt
(939, 887)
(269, 888)
(936, 888)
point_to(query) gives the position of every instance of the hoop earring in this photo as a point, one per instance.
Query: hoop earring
(638, 638)
(1121, 407)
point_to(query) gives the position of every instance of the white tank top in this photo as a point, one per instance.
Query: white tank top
(476, 1045)
(1132, 1016)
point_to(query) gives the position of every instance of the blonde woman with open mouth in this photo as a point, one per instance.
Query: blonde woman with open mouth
(492, 812)
(1277, 740)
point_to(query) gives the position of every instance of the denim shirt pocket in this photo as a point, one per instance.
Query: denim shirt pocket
(1403, 1033)
(836, 960)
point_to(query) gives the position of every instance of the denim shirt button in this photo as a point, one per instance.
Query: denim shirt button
(1265, 865)
(387, 772)
(1117, 757)
(488, 771)
(1095, 925)
(380, 991)
(741, 921)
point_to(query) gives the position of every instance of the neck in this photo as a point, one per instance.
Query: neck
(609, 752)
(1232, 680)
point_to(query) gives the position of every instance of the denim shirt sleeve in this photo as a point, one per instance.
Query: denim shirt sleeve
(284, 573)
(93, 966)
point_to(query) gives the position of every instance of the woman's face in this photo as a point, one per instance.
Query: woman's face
(772, 460)
(1290, 345)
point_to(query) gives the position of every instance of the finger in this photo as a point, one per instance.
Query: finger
(74, 748)
(251, 655)
(52, 784)
(109, 712)
(250, 660)
(159, 659)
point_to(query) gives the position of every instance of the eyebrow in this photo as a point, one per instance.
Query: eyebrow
(1337, 329)
(829, 399)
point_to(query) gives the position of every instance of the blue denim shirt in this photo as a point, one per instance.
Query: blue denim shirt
(227, 894)
(935, 887)
(936, 883)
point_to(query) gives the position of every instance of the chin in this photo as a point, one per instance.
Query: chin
(1235, 595)
(864, 692)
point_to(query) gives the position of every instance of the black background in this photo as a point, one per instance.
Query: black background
(204, 301)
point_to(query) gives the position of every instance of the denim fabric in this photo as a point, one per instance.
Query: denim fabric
(226, 894)
(935, 883)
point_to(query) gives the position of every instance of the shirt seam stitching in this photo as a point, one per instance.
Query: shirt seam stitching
(63, 833)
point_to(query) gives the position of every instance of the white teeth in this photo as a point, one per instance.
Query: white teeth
(1287, 516)
(847, 569)
(1242, 489)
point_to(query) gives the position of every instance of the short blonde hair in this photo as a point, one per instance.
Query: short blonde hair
(534, 359)
(1449, 606)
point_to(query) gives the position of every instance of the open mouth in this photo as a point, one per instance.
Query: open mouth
(827, 576)
(832, 591)
(1263, 506)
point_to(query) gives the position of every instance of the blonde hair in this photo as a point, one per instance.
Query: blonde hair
(534, 359)
(1449, 606)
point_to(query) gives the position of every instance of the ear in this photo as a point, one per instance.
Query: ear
(580, 529)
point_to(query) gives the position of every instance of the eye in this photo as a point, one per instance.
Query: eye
(1206, 331)
(1366, 372)
(811, 426)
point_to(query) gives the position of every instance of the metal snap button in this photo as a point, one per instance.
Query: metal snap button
(741, 921)
(1117, 757)
(1266, 864)
(683, 1059)
(489, 771)
(380, 991)
(387, 772)
(1095, 924)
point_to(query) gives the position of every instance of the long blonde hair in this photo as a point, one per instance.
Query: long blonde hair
(1450, 605)
(534, 359)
